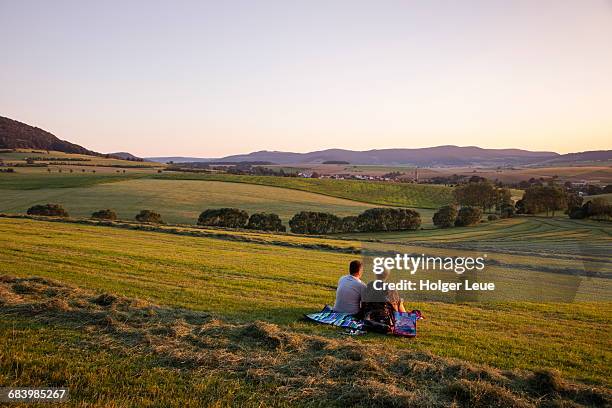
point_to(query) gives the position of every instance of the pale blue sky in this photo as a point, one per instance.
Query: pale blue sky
(214, 78)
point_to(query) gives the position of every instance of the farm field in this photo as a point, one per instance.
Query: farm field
(382, 193)
(238, 296)
(178, 201)
(596, 172)
(40, 178)
(527, 235)
(19, 156)
(599, 173)
(235, 280)
(607, 197)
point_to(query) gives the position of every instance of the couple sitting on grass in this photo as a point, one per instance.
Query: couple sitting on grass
(375, 307)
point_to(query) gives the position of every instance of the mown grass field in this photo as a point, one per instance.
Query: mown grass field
(383, 193)
(54, 157)
(528, 235)
(214, 283)
(178, 201)
(38, 178)
(242, 281)
(607, 197)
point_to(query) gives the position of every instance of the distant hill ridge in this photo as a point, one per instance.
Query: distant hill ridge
(18, 135)
(429, 156)
(594, 155)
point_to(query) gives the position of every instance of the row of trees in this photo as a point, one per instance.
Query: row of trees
(538, 198)
(56, 210)
(236, 218)
(551, 199)
(374, 219)
(311, 222)
(305, 222)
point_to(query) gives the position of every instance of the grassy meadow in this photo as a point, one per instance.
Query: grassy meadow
(529, 235)
(178, 201)
(382, 193)
(235, 280)
(180, 198)
(68, 160)
(130, 314)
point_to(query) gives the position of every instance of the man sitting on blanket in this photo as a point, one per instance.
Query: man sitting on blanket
(350, 290)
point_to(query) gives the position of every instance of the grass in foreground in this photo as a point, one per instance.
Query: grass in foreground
(246, 281)
(154, 356)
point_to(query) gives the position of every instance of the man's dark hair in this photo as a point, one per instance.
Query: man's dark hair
(354, 267)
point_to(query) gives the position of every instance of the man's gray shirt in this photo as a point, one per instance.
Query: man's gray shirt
(348, 295)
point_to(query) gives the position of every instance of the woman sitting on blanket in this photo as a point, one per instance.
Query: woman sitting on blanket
(378, 306)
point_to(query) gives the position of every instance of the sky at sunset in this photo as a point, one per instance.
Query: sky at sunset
(213, 78)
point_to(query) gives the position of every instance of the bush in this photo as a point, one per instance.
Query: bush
(492, 217)
(265, 222)
(445, 217)
(309, 222)
(149, 216)
(224, 217)
(577, 213)
(350, 224)
(49, 210)
(388, 219)
(506, 211)
(104, 215)
(598, 208)
(468, 216)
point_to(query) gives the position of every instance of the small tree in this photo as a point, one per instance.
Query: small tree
(445, 217)
(350, 224)
(480, 193)
(388, 219)
(309, 222)
(224, 217)
(266, 222)
(578, 213)
(149, 216)
(574, 201)
(468, 216)
(49, 210)
(104, 215)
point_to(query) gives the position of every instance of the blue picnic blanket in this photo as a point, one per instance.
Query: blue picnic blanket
(405, 323)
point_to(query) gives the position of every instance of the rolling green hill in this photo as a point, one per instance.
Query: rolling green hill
(383, 193)
(178, 201)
